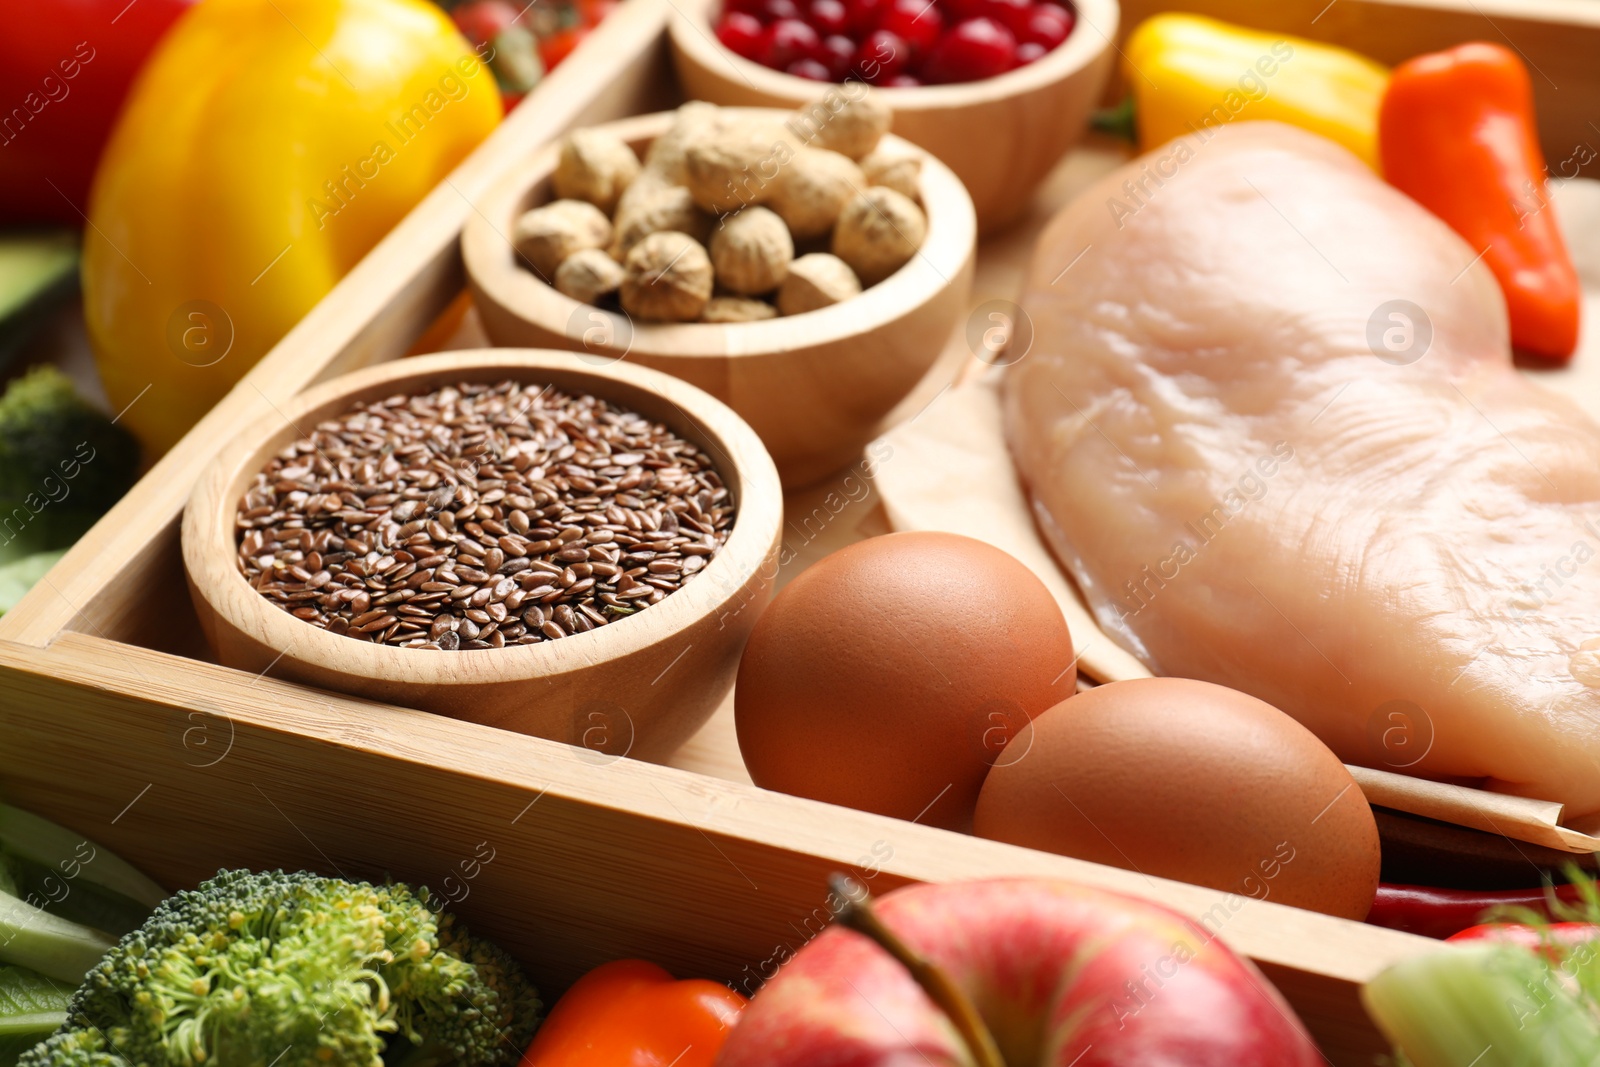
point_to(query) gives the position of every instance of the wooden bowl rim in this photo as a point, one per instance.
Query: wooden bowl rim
(519, 292)
(1096, 29)
(746, 469)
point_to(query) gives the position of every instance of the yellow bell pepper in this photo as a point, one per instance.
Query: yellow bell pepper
(265, 148)
(1189, 73)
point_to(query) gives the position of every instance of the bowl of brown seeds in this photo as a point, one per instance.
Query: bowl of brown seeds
(504, 536)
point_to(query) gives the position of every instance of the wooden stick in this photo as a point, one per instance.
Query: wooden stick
(858, 915)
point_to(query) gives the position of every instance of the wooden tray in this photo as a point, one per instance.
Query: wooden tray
(113, 720)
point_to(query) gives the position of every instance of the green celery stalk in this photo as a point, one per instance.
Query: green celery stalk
(84, 861)
(49, 944)
(1482, 1004)
(63, 899)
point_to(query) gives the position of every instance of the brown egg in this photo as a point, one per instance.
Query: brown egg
(890, 675)
(1193, 781)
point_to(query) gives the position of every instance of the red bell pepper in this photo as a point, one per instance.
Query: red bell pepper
(65, 66)
(629, 1013)
(1456, 133)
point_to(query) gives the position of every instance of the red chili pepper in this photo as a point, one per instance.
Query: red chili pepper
(65, 66)
(629, 1013)
(1431, 912)
(1456, 132)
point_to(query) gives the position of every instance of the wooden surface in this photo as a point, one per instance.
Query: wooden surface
(1001, 136)
(189, 767)
(641, 685)
(816, 387)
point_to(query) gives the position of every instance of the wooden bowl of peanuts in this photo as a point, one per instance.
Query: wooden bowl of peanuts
(808, 288)
(507, 537)
(1001, 135)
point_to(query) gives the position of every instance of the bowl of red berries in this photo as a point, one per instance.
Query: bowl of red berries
(999, 90)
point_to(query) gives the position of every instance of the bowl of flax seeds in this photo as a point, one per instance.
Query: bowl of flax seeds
(481, 514)
(514, 538)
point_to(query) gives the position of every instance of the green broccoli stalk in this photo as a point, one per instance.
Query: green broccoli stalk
(296, 970)
(62, 463)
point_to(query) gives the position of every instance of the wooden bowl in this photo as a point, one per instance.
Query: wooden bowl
(1001, 136)
(639, 686)
(815, 386)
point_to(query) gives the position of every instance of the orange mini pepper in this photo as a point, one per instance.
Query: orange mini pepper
(1456, 132)
(629, 1013)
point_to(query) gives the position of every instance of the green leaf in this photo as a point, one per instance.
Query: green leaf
(1119, 121)
(31, 264)
(38, 273)
(18, 576)
(32, 1007)
(24, 992)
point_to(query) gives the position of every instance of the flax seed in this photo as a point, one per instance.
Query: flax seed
(414, 521)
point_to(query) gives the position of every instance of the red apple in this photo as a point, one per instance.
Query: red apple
(1061, 974)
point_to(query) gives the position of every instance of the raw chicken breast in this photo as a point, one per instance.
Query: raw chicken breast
(1398, 551)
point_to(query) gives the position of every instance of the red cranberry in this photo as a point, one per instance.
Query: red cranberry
(741, 33)
(1012, 14)
(810, 69)
(748, 7)
(955, 11)
(917, 22)
(787, 40)
(775, 10)
(838, 55)
(829, 16)
(1046, 24)
(1030, 52)
(863, 15)
(881, 56)
(976, 49)
(902, 81)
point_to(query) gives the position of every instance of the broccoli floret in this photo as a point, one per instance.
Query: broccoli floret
(81, 1048)
(62, 462)
(296, 970)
